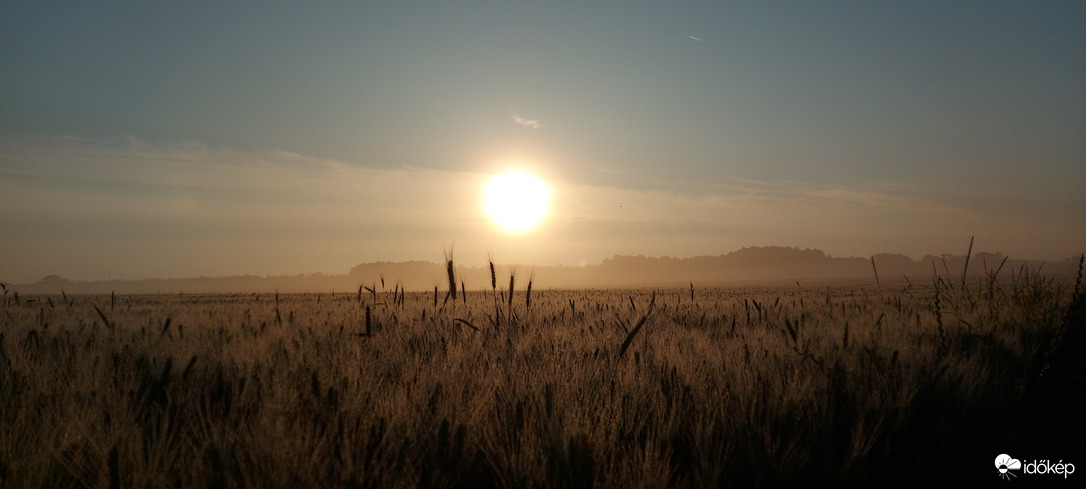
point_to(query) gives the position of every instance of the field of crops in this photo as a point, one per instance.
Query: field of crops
(875, 387)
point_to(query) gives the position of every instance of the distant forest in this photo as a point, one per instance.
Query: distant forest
(752, 266)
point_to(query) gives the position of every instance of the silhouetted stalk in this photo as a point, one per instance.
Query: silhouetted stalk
(278, 318)
(528, 292)
(102, 316)
(938, 308)
(493, 274)
(630, 336)
(449, 270)
(512, 283)
(465, 322)
(1078, 279)
(969, 253)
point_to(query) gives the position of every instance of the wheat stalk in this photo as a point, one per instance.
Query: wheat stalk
(512, 284)
(449, 270)
(528, 293)
(969, 253)
(493, 273)
(630, 336)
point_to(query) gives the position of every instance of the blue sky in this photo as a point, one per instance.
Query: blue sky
(255, 137)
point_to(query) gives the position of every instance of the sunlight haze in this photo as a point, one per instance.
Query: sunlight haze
(194, 139)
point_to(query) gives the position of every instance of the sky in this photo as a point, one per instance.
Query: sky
(182, 139)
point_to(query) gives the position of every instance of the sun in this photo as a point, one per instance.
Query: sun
(516, 202)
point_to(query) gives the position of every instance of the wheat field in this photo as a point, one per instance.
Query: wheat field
(511, 388)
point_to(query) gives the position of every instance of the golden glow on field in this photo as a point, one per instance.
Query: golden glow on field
(516, 202)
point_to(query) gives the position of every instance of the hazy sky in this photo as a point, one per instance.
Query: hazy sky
(171, 139)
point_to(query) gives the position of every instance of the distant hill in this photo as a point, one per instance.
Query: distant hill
(772, 265)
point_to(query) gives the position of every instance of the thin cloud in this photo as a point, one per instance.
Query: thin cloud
(696, 38)
(137, 209)
(83, 198)
(532, 123)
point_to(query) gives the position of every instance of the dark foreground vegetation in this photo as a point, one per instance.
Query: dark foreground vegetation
(918, 386)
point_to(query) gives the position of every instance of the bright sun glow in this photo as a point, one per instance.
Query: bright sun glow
(516, 202)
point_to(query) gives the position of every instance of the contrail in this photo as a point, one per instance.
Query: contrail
(696, 38)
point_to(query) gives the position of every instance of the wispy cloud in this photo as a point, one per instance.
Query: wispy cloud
(722, 214)
(696, 38)
(135, 209)
(532, 123)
